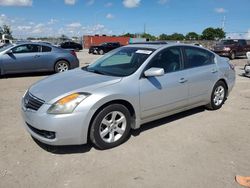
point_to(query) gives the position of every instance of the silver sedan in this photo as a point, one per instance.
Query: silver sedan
(35, 57)
(124, 89)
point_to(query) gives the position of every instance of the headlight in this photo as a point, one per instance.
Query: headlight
(67, 104)
(227, 49)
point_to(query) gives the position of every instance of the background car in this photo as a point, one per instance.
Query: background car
(104, 48)
(232, 48)
(71, 45)
(124, 89)
(35, 57)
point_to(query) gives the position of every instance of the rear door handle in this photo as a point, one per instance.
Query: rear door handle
(214, 71)
(182, 80)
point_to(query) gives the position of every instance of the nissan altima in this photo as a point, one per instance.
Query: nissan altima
(35, 57)
(122, 90)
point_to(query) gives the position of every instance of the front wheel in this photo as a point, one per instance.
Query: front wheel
(218, 96)
(61, 66)
(110, 127)
(101, 52)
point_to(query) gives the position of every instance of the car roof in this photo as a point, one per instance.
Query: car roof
(35, 43)
(158, 46)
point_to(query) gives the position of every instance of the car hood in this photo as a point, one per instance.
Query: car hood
(76, 80)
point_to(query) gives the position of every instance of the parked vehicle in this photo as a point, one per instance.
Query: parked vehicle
(35, 57)
(247, 66)
(104, 48)
(123, 89)
(232, 48)
(71, 45)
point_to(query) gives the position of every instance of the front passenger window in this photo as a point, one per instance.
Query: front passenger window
(169, 59)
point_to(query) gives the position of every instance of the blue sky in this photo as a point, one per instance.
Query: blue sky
(79, 17)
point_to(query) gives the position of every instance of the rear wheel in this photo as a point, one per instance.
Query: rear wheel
(218, 96)
(110, 127)
(61, 66)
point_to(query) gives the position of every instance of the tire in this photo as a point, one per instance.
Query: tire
(101, 52)
(61, 66)
(232, 55)
(110, 127)
(218, 96)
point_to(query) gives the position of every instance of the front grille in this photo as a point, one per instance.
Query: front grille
(32, 102)
(43, 133)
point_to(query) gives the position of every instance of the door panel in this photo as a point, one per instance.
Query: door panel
(200, 83)
(162, 94)
(14, 63)
(202, 73)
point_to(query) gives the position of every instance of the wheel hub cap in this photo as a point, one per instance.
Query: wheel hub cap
(112, 126)
(219, 95)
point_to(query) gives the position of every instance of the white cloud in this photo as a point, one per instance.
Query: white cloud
(220, 10)
(52, 21)
(109, 4)
(247, 36)
(162, 2)
(70, 2)
(15, 2)
(110, 16)
(74, 25)
(131, 3)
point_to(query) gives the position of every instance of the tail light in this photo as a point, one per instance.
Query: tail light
(73, 53)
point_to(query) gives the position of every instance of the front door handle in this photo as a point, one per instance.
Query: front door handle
(214, 71)
(36, 56)
(182, 80)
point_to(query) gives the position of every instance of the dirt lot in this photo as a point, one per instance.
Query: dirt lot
(194, 149)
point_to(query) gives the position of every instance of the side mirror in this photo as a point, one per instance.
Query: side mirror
(154, 72)
(9, 52)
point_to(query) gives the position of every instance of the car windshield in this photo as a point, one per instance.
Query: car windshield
(227, 42)
(120, 62)
(5, 47)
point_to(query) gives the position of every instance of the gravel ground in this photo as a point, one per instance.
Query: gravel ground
(197, 148)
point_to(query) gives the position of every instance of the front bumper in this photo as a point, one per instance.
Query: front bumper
(65, 129)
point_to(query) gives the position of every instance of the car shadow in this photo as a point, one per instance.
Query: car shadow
(73, 149)
(166, 120)
(19, 75)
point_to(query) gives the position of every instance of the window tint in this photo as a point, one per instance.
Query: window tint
(27, 48)
(46, 49)
(196, 57)
(168, 59)
(242, 42)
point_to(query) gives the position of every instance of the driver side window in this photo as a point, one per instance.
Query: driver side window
(27, 48)
(169, 59)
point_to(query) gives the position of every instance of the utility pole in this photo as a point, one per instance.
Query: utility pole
(144, 28)
(223, 23)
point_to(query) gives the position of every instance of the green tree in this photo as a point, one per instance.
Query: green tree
(128, 35)
(192, 36)
(213, 34)
(163, 36)
(6, 30)
(177, 36)
(148, 36)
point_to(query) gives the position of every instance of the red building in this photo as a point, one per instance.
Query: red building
(96, 40)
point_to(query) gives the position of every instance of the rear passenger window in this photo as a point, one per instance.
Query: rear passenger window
(169, 59)
(46, 49)
(196, 57)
